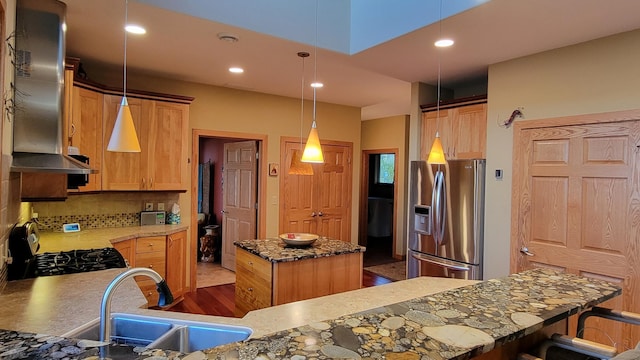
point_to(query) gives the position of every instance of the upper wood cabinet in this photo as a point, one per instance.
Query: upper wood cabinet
(162, 131)
(84, 128)
(463, 131)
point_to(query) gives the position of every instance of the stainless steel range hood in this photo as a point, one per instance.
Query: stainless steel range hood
(39, 90)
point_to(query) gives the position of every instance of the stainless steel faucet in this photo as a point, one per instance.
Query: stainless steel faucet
(166, 297)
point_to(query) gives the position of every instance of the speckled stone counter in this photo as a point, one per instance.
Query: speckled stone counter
(454, 324)
(100, 238)
(275, 250)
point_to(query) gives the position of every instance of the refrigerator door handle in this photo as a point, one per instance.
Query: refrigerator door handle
(443, 263)
(438, 206)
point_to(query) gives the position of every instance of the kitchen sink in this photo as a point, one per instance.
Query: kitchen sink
(163, 333)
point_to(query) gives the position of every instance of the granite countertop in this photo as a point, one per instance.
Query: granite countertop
(275, 250)
(399, 320)
(101, 238)
(454, 324)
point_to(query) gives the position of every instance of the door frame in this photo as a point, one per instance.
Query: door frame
(364, 195)
(261, 226)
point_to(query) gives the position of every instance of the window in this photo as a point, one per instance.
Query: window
(386, 169)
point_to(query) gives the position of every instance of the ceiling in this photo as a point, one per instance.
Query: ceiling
(377, 79)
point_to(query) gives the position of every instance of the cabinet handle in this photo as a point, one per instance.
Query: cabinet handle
(150, 183)
(250, 289)
(250, 263)
(150, 244)
(151, 266)
(143, 183)
(73, 131)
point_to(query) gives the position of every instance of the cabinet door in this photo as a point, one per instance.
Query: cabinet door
(166, 146)
(85, 131)
(176, 263)
(127, 250)
(121, 171)
(432, 123)
(470, 130)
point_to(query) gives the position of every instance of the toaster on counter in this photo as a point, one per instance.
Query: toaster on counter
(152, 218)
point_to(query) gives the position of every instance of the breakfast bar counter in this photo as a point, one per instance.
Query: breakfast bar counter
(405, 320)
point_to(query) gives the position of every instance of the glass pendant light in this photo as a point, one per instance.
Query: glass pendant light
(124, 137)
(313, 150)
(297, 167)
(436, 155)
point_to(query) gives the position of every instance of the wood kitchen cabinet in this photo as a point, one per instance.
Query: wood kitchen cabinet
(162, 131)
(164, 254)
(84, 128)
(261, 283)
(177, 263)
(462, 129)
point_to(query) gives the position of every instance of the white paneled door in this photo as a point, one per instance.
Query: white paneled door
(239, 186)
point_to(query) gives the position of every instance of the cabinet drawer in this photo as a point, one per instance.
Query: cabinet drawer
(155, 261)
(150, 244)
(148, 288)
(253, 264)
(253, 292)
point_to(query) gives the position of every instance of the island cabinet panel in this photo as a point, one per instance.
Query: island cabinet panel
(310, 278)
(261, 283)
(253, 282)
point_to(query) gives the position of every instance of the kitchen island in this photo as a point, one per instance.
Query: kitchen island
(270, 272)
(430, 317)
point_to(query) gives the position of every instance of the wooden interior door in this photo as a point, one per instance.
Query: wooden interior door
(333, 189)
(576, 201)
(320, 203)
(239, 188)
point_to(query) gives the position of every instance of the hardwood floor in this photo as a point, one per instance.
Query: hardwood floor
(220, 300)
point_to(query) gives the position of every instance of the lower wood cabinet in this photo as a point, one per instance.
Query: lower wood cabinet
(164, 254)
(261, 283)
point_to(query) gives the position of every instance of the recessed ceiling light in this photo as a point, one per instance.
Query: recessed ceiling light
(443, 43)
(317, 84)
(236, 70)
(228, 37)
(135, 29)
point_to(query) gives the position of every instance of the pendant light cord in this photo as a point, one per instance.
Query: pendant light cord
(439, 72)
(126, 19)
(315, 69)
(302, 98)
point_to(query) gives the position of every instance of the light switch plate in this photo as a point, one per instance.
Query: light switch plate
(148, 206)
(160, 206)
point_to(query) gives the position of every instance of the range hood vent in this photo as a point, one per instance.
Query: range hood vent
(39, 90)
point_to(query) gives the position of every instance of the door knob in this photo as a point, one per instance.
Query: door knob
(320, 213)
(313, 214)
(525, 251)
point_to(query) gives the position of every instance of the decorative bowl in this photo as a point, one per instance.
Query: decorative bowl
(298, 239)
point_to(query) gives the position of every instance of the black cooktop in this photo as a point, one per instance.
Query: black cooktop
(77, 261)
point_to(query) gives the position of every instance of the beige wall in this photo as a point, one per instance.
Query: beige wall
(392, 133)
(597, 76)
(230, 110)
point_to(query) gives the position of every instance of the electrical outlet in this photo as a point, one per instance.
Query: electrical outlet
(160, 206)
(148, 206)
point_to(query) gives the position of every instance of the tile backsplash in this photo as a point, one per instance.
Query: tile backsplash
(101, 210)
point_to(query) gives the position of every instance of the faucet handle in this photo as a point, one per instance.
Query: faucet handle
(166, 297)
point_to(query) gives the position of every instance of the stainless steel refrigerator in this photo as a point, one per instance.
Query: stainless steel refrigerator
(446, 219)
